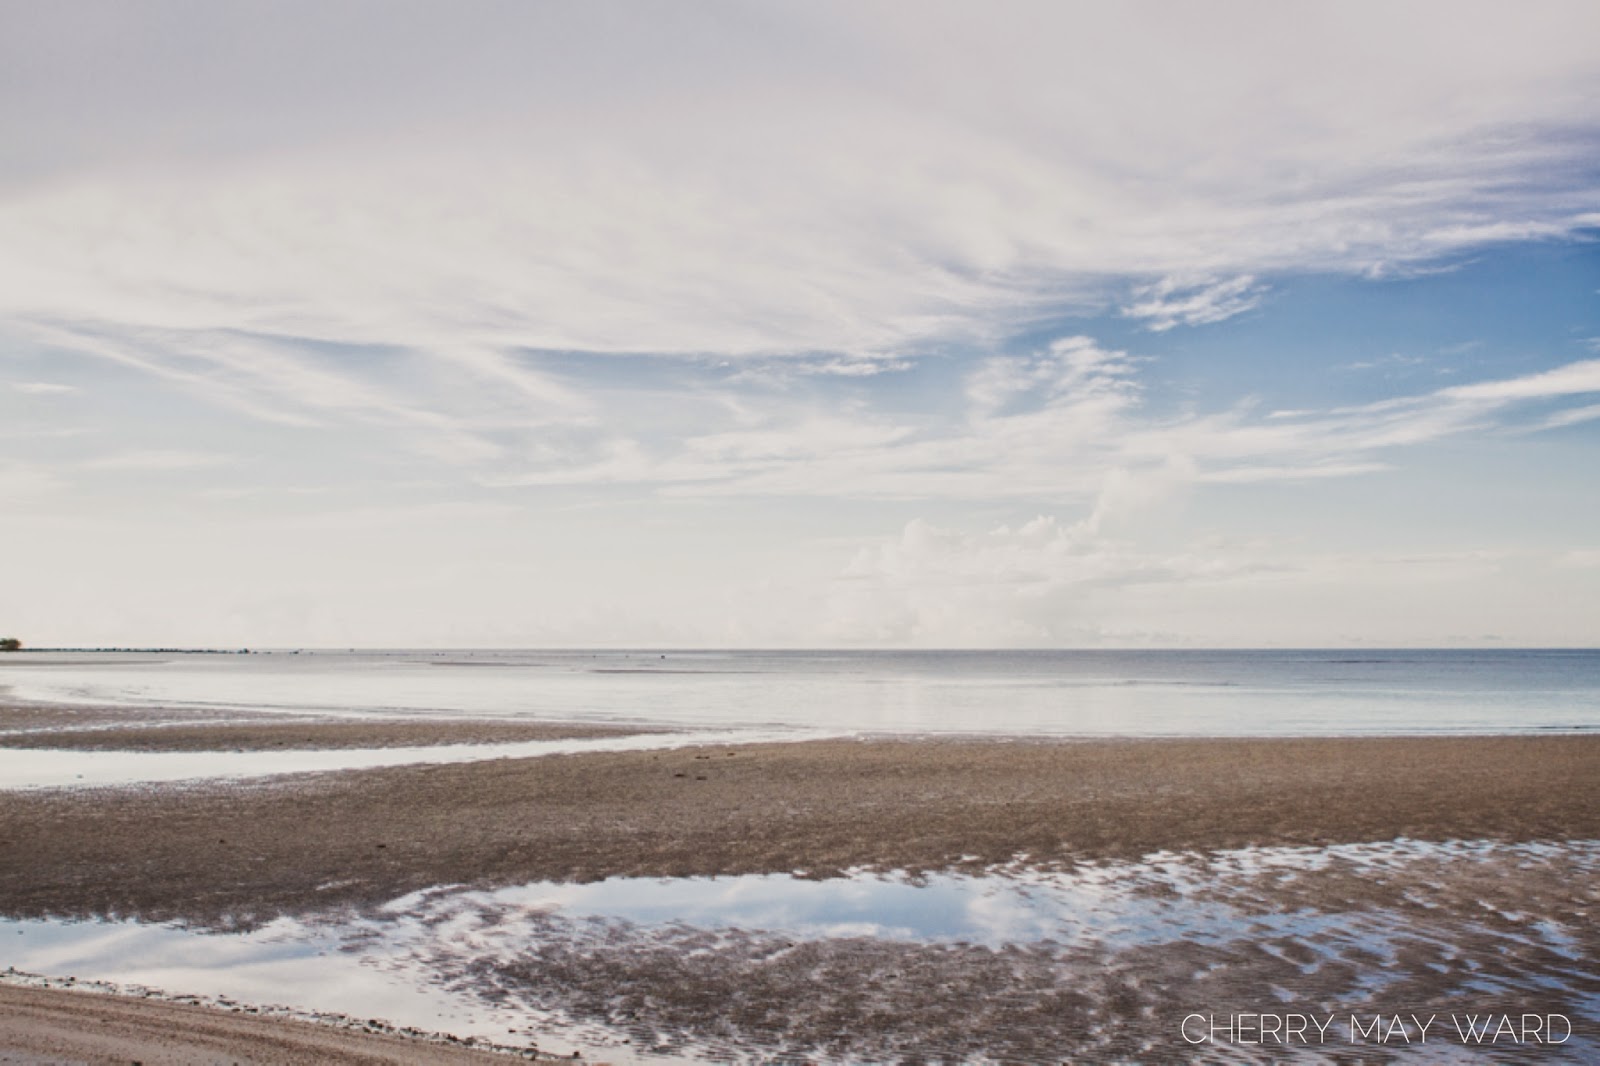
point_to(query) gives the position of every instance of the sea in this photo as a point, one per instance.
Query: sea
(1133, 693)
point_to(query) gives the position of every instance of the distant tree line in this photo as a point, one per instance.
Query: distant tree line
(13, 644)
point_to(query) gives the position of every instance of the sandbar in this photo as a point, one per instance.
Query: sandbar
(237, 853)
(165, 735)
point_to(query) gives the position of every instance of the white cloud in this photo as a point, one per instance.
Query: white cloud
(1061, 424)
(453, 398)
(42, 388)
(853, 368)
(1173, 302)
(1390, 361)
(726, 252)
(1571, 417)
(786, 370)
(1074, 369)
(1066, 423)
(805, 178)
(1570, 380)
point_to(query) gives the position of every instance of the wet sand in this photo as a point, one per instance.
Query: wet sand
(1439, 932)
(103, 732)
(239, 853)
(15, 717)
(54, 1025)
(1498, 924)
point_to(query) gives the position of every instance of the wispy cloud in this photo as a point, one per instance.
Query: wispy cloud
(1172, 302)
(1065, 423)
(1574, 379)
(1571, 417)
(1388, 362)
(852, 368)
(818, 178)
(451, 401)
(795, 258)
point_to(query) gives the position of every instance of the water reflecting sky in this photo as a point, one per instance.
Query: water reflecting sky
(1133, 693)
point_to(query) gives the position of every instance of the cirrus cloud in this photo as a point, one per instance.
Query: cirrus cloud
(802, 178)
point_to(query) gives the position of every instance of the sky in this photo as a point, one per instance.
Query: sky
(759, 324)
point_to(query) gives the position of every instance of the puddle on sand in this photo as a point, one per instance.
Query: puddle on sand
(940, 908)
(1020, 966)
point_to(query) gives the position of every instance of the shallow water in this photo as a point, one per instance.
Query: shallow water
(1121, 693)
(1019, 964)
(287, 966)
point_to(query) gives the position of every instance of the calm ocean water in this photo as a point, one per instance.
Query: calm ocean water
(1106, 693)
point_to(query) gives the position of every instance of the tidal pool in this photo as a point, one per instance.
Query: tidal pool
(1017, 965)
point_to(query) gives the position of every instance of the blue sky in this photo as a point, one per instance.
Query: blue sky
(879, 325)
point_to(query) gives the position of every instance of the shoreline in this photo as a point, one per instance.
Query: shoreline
(153, 728)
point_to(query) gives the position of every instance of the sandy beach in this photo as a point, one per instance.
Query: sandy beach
(234, 855)
(250, 850)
